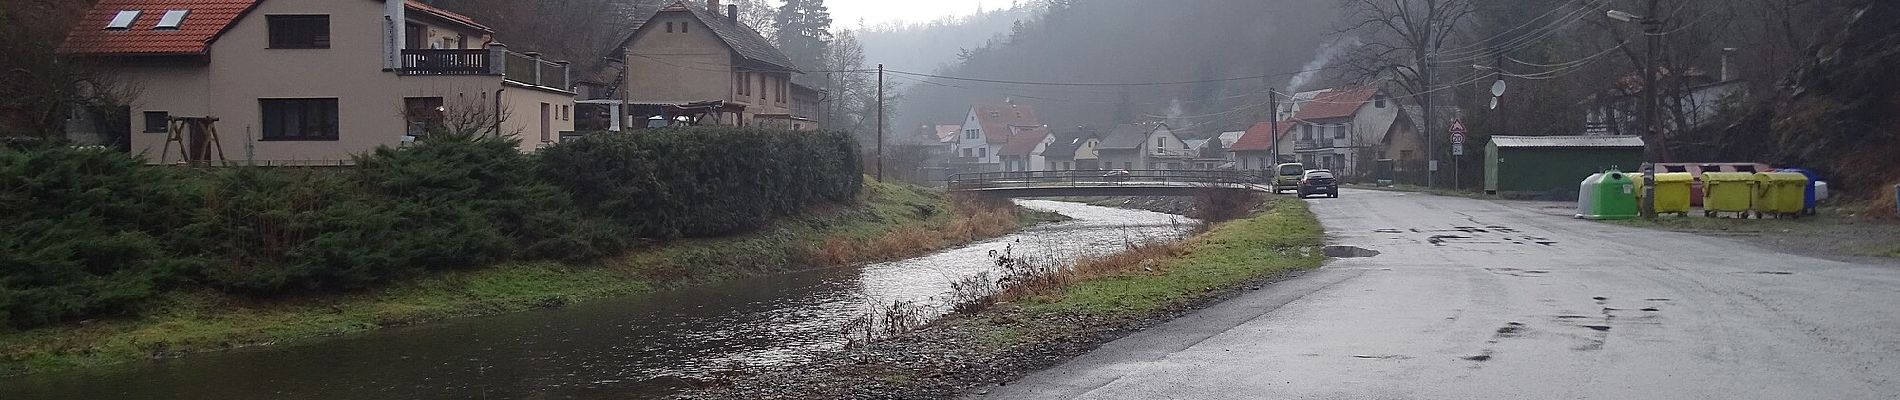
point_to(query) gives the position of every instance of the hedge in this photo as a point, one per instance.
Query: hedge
(91, 232)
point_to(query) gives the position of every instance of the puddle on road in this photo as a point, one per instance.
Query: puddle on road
(1348, 252)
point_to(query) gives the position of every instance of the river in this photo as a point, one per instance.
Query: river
(632, 347)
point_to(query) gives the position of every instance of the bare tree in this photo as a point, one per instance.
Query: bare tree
(1402, 41)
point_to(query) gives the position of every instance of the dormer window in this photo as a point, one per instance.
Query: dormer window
(1378, 101)
(172, 19)
(122, 21)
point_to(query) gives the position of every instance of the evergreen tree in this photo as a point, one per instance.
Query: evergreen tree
(804, 32)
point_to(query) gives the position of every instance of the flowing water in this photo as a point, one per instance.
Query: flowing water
(633, 347)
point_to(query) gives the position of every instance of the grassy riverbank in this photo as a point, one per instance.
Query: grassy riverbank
(1031, 328)
(899, 221)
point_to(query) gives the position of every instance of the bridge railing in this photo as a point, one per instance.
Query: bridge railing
(1028, 179)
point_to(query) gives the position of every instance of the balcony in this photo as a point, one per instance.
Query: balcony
(445, 62)
(524, 68)
(1313, 144)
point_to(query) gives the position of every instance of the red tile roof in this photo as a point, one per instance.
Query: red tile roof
(1336, 104)
(207, 20)
(1260, 137)
(1025, 141)
(997, 120)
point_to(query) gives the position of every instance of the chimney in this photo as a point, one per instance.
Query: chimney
(712, 6)
(732, 14)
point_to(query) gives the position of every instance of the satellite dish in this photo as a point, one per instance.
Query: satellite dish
(1497, 88)
(1494, 103)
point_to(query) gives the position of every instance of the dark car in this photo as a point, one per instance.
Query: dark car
(1319, 181)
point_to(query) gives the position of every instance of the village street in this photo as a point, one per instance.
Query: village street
(1477, 299)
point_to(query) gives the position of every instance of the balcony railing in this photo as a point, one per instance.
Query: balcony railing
(1313, 144)
(445, 62)
(530, 69)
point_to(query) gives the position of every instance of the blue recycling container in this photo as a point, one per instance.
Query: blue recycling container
(1813, 204)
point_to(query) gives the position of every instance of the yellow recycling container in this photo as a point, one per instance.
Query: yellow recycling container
(1672, 192)
(1780, 194)
(1727, 192)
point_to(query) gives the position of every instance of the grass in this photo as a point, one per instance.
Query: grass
(903, 220)
(1159, 277)
(1836, 230)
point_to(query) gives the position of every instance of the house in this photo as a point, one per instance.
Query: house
(1024, 151)
(986, 129)
(1345, 130)
(1690, 99)
(1075, 151)
(694, 65)
(1554, 164)
(281, 82)
(1255, 149)
(1151, 146)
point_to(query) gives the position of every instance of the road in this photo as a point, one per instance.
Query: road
(1473, 299)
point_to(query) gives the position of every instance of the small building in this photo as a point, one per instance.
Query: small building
(1074, 151)
(1554, 164)
(1024, 152)
(986, 129)
(1254, 149)
(1143, 146)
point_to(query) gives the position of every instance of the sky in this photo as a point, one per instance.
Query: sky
(845, 13)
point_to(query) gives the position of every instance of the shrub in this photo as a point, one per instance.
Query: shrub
(698, 182)
(84, 231)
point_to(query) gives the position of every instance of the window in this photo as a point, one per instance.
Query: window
(970, 134)
(762, 89)
(157, 122)
(172, 19)
(1243, 163)
(1306, 132)
(669, 27)
(1161, 143)
(423, 114)
(1378, 101)
(967, 153)
(299, 119)
(1339, 132)
(299, 31)
(123, 20)
(784, 86)
(982, 152)
(684, 25)
(567, 113)
(742, 81)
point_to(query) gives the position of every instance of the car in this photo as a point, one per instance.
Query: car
(1287, 176)
(1116, 175)
(1318, 181)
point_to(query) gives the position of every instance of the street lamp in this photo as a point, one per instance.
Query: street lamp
(1652, 135)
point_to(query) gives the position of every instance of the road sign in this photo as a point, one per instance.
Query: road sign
(1458, 148)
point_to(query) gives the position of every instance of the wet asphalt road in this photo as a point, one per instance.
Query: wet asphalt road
(1472, 299)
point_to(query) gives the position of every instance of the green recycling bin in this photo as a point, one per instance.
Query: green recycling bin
(1780, 194)
(1672, 192)
(1727, 192)
(1614, 197)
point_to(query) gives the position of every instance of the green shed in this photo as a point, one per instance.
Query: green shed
(1554, 164)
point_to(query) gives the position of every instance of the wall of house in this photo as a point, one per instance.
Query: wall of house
(979, 148)
(678, 67)
(1165, 148)
(243, 69)
(522, 108)
(1132, 159)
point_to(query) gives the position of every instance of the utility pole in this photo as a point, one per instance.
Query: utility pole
(1425, 84)
(1652, 31)
(1273, 123)
(880, 122)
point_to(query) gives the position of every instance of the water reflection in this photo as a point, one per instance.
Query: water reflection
(641, 346)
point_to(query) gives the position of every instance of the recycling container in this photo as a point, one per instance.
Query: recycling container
(1727, 192)
(1672, 192)
(1586, 194)
(1780, 194)
(1614, 197)
(1812, 197)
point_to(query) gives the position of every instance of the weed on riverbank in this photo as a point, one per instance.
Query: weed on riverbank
(1038, 321)
(199, 321)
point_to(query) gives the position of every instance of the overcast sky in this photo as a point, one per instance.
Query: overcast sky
(845, 13)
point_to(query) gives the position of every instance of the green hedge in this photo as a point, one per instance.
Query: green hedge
(92, 232)
(704, 181)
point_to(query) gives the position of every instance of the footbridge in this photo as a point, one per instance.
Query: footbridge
(1107, 183)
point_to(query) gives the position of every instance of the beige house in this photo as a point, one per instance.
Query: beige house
(312, 82)
(1149, 146)
(694, 65)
